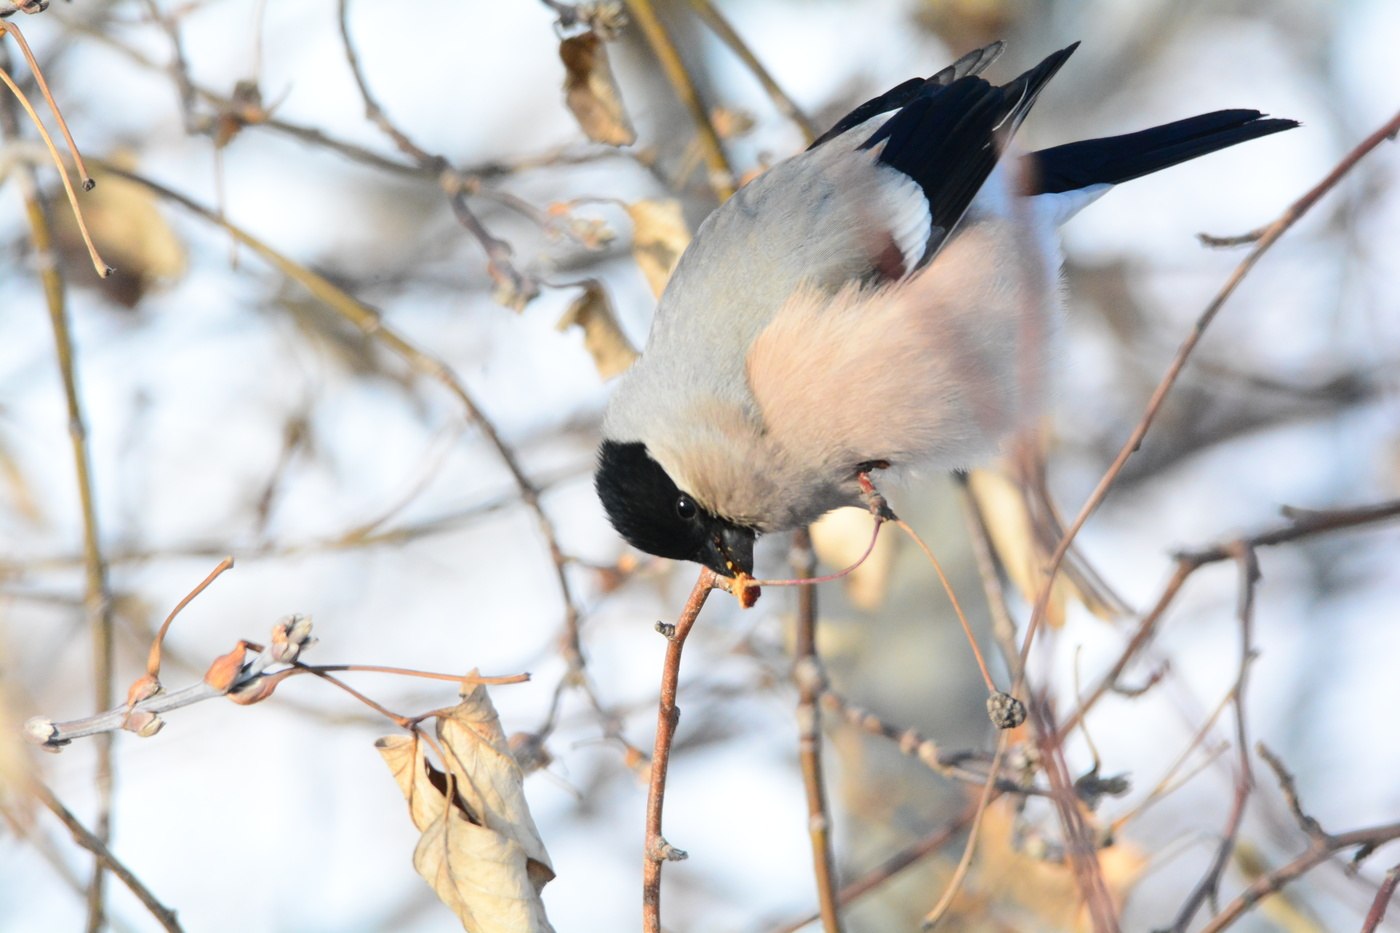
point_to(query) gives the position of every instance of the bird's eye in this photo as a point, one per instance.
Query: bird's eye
(686, 508)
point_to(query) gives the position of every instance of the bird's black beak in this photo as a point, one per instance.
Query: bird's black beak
(728, 550)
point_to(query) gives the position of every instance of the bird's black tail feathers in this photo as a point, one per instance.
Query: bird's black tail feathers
(1115, 159)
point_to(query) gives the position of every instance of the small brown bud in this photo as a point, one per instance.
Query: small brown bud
(223, 673)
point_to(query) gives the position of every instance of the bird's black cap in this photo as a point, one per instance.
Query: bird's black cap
(654, 514)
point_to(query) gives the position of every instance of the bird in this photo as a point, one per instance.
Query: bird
(885, 300)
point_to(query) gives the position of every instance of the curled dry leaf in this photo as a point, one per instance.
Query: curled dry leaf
(591, 92)
(1024, 536)
(659, 236)
(611, 351)
(480, 850)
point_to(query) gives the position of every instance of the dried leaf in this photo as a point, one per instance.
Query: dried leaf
(1011, 885)
(591, 92)
(611, 351)
(840, 538)
(480, 850)
(135, 239)
(1003, 507)
(659, 236)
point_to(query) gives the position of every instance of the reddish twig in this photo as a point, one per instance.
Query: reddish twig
(811, 682)
(1322, 846)
(1081, 848)
(1384, 893)
(1270, 236)
(1208, 888)
(1305, 524)
(890, 867)
(98, 847)
(657, 850)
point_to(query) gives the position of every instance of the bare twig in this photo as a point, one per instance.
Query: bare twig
(1384, 893)
(984, 801)
(514, 289)
(179, 70)
(1080, 845)
(716, 21)
(886, 870)
(369, 321)
(1305, 525)
(989, 569)
(1208, 888)
(811, 681)
(914, 744)
(657, 850)
(721, 175)
(97, 595)
(1322, 845)
(98, 847)
(1270, 236)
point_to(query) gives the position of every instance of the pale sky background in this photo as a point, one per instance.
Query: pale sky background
(282, 816)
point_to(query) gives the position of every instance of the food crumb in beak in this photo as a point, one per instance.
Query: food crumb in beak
(743, 587)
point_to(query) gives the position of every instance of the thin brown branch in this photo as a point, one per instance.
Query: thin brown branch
(371, 324)
(1271, 235)
(657, 850)
(811, 682)
(97, 599)
(914, 744)
(1302, 525)
(1320, 850)
(721, 175)
(716, 21)
(984, 801)
(1208, 888)
(989, 569)
(153, 657)
(1384, 893)
(1081, 847)
(885, 871)
(98, 847)
(179, 71)
(513, 288)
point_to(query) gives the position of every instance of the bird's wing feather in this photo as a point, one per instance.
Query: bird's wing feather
(973, 63)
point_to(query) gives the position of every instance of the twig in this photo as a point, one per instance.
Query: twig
(811, 681)
(721, 175)
(1270, 236)
(97, 595)
(514, 289)
(98, 263)
(369, 322)
(716, 21)
(1208, 888)
(98, 847)
(1080, 845)
(1322, 845)
(1384, 893)
(179, 70)
(657, 850)
(984, 801)
(914, 744)
(989, 569)
(243, 680)
(886, 870)
(1188, 562)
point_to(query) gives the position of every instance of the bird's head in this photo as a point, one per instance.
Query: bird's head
(648, 509)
